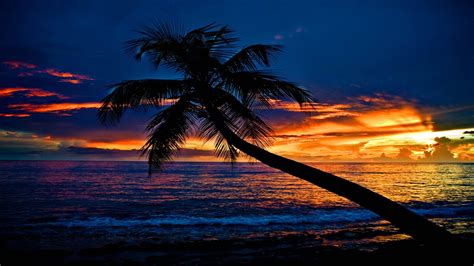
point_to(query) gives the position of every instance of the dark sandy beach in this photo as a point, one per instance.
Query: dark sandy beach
(292, 249)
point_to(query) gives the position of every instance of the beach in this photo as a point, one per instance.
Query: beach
(304, 249)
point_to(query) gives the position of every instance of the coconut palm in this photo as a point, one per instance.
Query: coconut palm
(216, 99)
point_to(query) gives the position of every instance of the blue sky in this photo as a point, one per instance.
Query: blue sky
(420, 51)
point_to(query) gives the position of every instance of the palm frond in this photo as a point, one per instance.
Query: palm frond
(263, 86)
(216, 39)
(139, 93)
(250, 57)
(162, 42)
(247, 123)
(209, 131)
(223, 148)
(167, 132)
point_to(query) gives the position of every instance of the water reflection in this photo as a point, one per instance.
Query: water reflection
(220, 185)
(200, 200)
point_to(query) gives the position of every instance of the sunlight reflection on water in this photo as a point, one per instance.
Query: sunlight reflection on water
(216, 199)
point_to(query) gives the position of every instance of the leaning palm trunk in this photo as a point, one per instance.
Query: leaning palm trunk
(409, 222)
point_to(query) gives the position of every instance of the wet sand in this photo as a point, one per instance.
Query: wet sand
(282, 250)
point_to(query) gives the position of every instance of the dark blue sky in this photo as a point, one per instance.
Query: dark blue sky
(418, 50)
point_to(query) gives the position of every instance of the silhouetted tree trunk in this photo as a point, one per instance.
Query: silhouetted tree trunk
(409, 222)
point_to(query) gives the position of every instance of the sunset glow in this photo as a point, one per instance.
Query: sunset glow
(18, 64)
(66, 75)
(52, 107)
(365, 123)
(29, 92)
(364, 128)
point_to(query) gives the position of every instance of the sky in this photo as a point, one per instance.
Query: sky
(394, 79)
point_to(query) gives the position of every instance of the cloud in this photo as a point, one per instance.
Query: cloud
(18, 142)
(28, 145)
(14, 115)
(18, 65)
(102, 153)
(278, 37)
(286, 34)
(404, 154)
(71, 81)
(354, 119)
(439, 149)
(360, 129)
(185, 154)
(394, 117)
(379, 101)
(448, 149)
(25, 74)
(439, 152)
(66, 76)
(29, 92)
(53, 107)
(319, 109)
(375, 111)
(61, 108)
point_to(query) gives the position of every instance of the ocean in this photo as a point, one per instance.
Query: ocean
(80, 205)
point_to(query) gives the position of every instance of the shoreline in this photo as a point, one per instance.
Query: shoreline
(280, 250)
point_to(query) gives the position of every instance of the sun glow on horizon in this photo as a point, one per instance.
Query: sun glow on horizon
(361, 128)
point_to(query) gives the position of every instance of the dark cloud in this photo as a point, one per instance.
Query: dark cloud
(114, 154)
(404, 155)
(101, 152)
(85, 153)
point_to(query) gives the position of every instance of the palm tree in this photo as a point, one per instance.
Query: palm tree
(216, 100)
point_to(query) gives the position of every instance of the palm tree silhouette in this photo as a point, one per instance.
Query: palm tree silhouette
(216, 100)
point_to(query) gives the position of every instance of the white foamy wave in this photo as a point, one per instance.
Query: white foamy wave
(334, 216)
(444, 211)
(317, 217)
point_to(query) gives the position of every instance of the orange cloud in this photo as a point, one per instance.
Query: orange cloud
(60, 108)
(53, 107)
(6, 92)
(29, 92)
(67, 76)
(317, 110)
(379, 100)
(18, 64)
(357, 130)
(360, 130)
(14, 115)
(405, 118)
(118, 145)
(72, 81)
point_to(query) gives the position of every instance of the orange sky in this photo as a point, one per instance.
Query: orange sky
(361, 130)
(376, 127)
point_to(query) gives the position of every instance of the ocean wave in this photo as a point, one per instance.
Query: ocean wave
(317, 217)
(334, 216)
(451, 211)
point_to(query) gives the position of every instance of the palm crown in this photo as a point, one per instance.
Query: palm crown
(220, 87)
